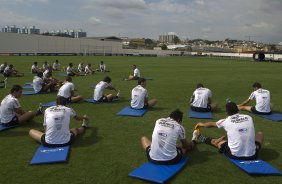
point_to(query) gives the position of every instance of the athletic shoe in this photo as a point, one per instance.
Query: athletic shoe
(40, 110)
(196, 134)
(118, 94)
(84, 122)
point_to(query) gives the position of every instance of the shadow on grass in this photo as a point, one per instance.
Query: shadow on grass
(86, 141)
(268, 154)
(199, 157)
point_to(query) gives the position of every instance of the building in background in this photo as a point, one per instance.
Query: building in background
(167, 39)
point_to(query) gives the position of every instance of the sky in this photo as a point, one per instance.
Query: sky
(257, 20)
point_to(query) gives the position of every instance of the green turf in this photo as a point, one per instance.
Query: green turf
(111, 148)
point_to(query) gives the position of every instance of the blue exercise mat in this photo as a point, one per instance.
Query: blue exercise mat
(28, 87)
(199, 115)
(45, 155)
(49, 104)
(2, 128)
(31, 93)
(256, 167)
(128, 111)
(272, 116)
(91, 100)
(28, 83)
(148, 78)
(157, 173)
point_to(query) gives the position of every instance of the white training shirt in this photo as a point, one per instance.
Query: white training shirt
(66, 89)
(138, 95)
(2, 67)
(99, 89)
(80, 67)
(201, 97)
(7, 108)
(69, 70)
(57, 121)
(87, 69)
(262, 97)
(37, 84)
(56, 66)
(102, 67)
(45, 66)
(34, 67)
(136, 72)
(166, 133)
(241, 134)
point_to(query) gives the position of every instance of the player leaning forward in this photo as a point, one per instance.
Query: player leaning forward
(56, 125)
(242, 142)
(163, 148)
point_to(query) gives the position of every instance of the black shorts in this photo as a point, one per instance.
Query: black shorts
(13, 122)
(103, 99)
(253, 109)
(136, 78)
(44, 143)
(224, 148)
(175, 160)
(65, 101)
(201, 109)
(70, 74)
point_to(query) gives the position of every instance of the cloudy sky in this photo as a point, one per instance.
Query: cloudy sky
(258, 20)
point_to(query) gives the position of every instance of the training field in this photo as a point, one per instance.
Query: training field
(111, 149)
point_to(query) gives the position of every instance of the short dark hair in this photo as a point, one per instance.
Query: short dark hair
(199, 85)
(68, 78)
(35, 63)
(107, 79)
(16, 87)
(177, 115)
(257, 85)
(40, 74)
(70, 64)
(59, 100)
(141, 80)
(231, 108)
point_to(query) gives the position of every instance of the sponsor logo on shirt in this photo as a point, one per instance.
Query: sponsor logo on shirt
(243, 130)
(238, 119)
(166, 124)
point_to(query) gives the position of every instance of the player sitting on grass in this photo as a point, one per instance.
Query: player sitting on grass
(40, 86)
(71, 71)
(242, 143)
(99, 91)
(11, 112)
(56, 66)
(163, 149)
(136, 74)
(10, 71)
(262, 97)
(88, 70)
(56, 125)
(67, 92)
(201, 99)
(35, 69)
(139, 96)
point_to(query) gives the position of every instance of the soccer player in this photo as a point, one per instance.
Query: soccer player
(136, 74)
(35, 69)
(201, 99)
(262, 97)
(88, 70)
(56, 66)
(56, 125)
(163, 149)
(70, 71)
(67, 92)
(102, 67)
(45, 66)
(10, 71)
(139, 96)
(81, 67)
(2, 67)
(242, 143)
(100, 88)
(40, 86)
(11, 112)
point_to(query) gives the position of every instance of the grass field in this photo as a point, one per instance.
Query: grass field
(111, 148)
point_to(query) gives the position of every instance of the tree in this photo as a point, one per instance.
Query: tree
(164, 47)
(176, 40)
